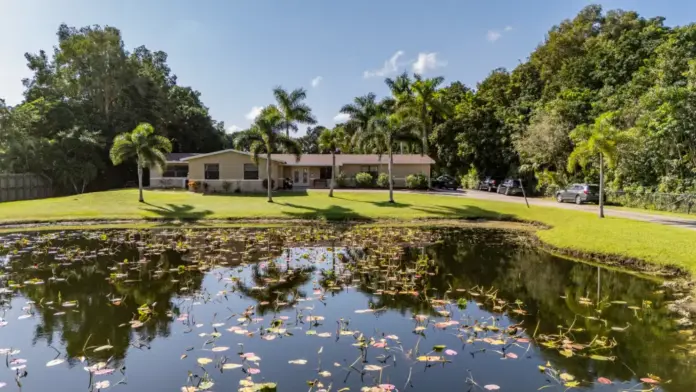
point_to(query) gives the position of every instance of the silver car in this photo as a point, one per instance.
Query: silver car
(579, 193)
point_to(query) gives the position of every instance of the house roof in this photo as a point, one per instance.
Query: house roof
(177, 156)
(354, 159)
(196, 156)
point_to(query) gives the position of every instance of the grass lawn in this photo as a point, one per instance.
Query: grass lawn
(575, 230)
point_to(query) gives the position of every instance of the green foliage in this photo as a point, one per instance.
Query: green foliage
(341, 180)
(292, 108)
(383, 180)
(364, 180)
(416, 181)
(471, 179)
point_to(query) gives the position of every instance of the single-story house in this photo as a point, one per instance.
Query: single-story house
(238, 171)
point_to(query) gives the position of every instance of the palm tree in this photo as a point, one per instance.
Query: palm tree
(361, 111)
(145, 146)
(292, 109)
(424, 105)
(599, 139)
(384, 133)
(401, 92)
(332, 140)
(265, 135)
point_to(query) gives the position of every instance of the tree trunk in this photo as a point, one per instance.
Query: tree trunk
(601, 185)
(391, 183)
(140, 182)
(333, 172)
(268, 176)
(287, 130)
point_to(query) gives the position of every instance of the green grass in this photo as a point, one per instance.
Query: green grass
(574, 230)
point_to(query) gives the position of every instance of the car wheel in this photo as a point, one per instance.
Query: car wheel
(559, 198)
(578, 200)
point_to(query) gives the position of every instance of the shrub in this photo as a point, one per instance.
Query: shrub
(205, 187)
(265, 183)
(383, 180)
(363, 180)
(417, 181)
(226, 185)
(471, 179)
(341, 180)
(194, 186)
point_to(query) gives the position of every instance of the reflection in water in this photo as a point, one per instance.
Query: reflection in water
(151, 305)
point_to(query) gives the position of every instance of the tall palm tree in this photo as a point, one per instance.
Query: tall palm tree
(360, 113)
(401, 92)
(145, 146)
(265, 135)
(424, 105)
(332, 140)
(383, 134)
(292, 109)
(600, 139)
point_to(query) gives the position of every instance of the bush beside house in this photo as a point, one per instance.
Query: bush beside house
(383, 180)
(417, 181)
(364, 180)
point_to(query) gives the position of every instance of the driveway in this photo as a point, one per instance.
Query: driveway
(669, 220)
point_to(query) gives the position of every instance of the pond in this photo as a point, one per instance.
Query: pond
(335, 309)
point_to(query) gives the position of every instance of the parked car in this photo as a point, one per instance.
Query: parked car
(446, 182)
(510, 187)
(489, 184)
(579, 193)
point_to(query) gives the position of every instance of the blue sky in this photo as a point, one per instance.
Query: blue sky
(235, 52)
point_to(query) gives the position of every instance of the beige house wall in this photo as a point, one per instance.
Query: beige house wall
(231, 167)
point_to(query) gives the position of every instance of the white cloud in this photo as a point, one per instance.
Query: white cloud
(254, 112)
(316, 81)
(233, 128)
(390, 66)
(341, 117)
(427, 62)
(493, 35)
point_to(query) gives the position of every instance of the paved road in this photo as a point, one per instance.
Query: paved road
(668, 220)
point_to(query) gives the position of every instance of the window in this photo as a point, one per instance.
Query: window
(325, 173)
(212, 171)
(297, 175)
(179, 171)
(251, 171)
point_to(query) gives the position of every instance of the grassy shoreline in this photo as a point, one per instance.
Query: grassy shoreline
(574, 231)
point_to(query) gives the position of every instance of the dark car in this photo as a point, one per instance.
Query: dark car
(446, 182)
(579, 193)
(489, 184)
(510, 187)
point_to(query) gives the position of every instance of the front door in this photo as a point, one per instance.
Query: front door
(301, 176)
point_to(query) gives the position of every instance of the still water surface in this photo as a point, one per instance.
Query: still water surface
(306, 309)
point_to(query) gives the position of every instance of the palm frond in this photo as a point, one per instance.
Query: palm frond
(257, 148)
(122, 149)
(290, 145)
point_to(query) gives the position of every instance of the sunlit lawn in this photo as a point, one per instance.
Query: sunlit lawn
(570, 229)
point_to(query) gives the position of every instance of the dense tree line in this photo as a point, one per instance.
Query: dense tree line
(611, 87)
(85, 93)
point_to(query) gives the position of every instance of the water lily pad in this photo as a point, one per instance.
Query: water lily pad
(230, 366)
(298, 362)
(54, 362)
(491, 387)
(372, 368)
(220, 349)
(204, 361)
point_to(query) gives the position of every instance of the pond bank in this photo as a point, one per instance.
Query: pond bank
(532, 229)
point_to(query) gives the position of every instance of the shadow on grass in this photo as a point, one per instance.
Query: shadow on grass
(183, 212)
(333, 212)
(283, 193)
(384, 203)
(465, 212)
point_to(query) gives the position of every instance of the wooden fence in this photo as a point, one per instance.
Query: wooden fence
(23, 186)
